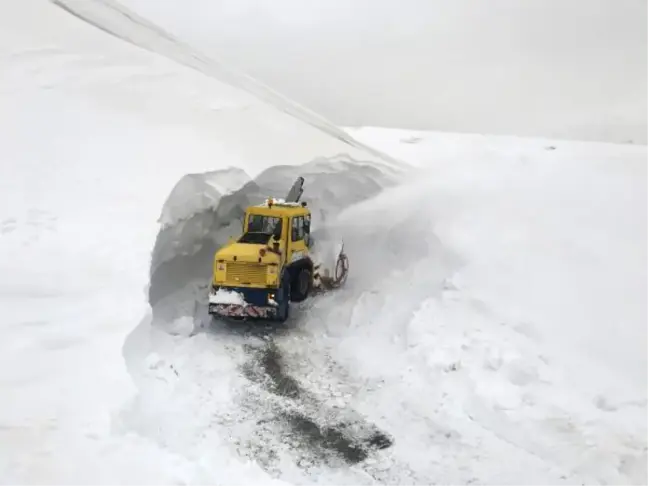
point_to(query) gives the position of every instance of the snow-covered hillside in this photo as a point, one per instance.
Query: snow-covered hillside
(492, 329)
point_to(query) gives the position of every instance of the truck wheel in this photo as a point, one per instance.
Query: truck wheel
(285, 311)
(284, 307)
(301, 285)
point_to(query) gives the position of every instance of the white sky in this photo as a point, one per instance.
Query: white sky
(565, 68)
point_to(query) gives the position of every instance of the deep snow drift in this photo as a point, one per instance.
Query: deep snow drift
(558, 229)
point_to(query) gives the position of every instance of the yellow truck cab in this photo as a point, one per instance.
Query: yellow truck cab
(269, 265)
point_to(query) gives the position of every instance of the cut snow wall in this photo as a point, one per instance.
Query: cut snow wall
(182, 258)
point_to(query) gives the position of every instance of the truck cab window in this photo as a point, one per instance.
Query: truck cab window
(263, 224)
(297, 228)
(307, 221)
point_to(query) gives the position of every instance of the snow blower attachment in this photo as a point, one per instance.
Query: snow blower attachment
(271, 264)
(322, 279)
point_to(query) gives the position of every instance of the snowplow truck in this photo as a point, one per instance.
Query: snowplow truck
(260, 273)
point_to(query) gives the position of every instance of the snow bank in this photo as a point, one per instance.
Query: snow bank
(542, 320)
(223, 296)
(194, 192)
(553, 231)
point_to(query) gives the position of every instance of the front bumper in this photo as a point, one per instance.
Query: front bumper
(237, 310)
(243, 302)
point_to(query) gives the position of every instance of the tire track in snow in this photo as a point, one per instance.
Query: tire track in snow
(350, 437)
(302, 420)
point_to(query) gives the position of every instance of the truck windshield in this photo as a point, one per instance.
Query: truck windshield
(263, 224)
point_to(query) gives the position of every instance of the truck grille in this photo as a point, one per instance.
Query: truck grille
(246, 273)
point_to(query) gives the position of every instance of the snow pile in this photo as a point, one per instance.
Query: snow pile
(278, 200)
(222, 296)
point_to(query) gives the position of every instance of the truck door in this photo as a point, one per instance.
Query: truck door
(297, 242)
